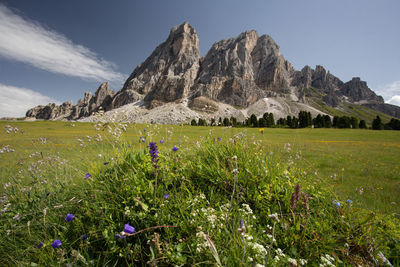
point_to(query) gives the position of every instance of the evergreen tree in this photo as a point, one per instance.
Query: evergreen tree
(253, 120)
(265, 116)
(270, 120)
(394, 124)
(262, 122)
(220, 121)
(289, 121)
(309, 119)
(212, 123)
(354, 122)
(226, 122)
(193, 122)
(233, 121)
(335, 121)
(362, 124)
(377, 124)
(328, 122)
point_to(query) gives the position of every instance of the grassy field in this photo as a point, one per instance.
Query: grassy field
(358, 164)
(221, 197)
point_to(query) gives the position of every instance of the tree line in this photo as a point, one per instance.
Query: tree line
(303, 120)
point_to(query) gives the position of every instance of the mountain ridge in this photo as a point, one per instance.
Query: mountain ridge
(240, 72)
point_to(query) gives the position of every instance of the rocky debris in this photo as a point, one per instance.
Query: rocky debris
(388, 109)
(357, 90)
(101, 100)
(168, 73)
(203, 104)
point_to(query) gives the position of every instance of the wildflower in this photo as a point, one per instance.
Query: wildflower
(83, 237)
(219, 138)
(16, 217)
(105, 163)
(274, 216)
(120, 236)
(166, 196)
(128, 229)
(174, 148)
(143, 140)
(40, 245)
(69, 217)
(88, 175)
(153, 153)
(161, 141)
(261, 130)
(235, 171)
(234, 158)
(349, 201)
(56, 244)
(292, 261)
(337, 204)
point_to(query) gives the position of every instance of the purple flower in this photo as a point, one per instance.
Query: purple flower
(83, 237)
(161, 141)
(40, 245)
(88, 175)
(120, 236)
(56, 244)
(128, 229)
(166, 196)
(143, 140)
(105, 163)
(241, 223)
(337, 204)
(153, 153)
(174, 148)
(349, 201)
(69, 217)
(219, 138)
(144, 129)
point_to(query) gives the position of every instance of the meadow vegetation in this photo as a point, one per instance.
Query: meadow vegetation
(131, 194)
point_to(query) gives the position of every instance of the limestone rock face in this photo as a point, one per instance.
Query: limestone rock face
(358, 90)
(101, 100)
(241, 70)
(168, 73)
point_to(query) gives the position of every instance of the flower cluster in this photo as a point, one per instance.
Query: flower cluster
(153, 153)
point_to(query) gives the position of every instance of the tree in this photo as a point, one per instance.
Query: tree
(289, 121)
(362, 124)
(193, 122)
(253, 120)
(219, 121)
(270, 120)
(262, 122)
(394, 124)
(295, 123)
(226, 122)
(233, 121)
(354, 122)
(328, 122)
(335, 121)
(202, 122)
(212, 123)
(377, 124)
(344, 122)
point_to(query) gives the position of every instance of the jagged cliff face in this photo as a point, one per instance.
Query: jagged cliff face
(239, 71)
(167, 74)
(100, 101)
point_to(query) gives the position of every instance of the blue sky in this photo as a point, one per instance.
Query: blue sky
(56, 50)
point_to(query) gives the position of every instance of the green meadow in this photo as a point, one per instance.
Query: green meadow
(234, 185)
(358, 164)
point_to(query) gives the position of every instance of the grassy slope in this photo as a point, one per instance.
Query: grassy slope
(124, 191)
(361, 159)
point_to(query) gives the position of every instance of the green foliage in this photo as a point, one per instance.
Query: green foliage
(377, 124)
(193, 122)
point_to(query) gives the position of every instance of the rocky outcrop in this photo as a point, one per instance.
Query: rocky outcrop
(357, 90)
(100, 101)
(388, 109)
(242, 70)
(168, 73)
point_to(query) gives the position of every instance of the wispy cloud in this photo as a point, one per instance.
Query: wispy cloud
(15, 101)
(391, 93)
(28, 41)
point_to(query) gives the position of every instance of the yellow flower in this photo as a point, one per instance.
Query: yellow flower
(261, 130)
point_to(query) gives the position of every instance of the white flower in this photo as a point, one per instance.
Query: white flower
(292, 261)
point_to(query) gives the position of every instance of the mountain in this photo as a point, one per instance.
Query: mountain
(237, 77)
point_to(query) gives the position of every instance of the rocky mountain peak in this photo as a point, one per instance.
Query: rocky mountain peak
(167, 74)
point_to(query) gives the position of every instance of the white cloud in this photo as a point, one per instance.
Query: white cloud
(15, 101)
(395, 100)
(391, 93)
(30, 42)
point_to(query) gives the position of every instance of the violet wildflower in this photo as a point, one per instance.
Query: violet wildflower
(337, 204)
(153, 153)
(241, 223)
(174, 148)
(120, 236)
(69, 217)
(83, 237)
(349, 201)
(161, 141)
(166, 196)
(143, 140)
(128, 228)
(40, 245)
(105, 163)
(88, 175)
(219, 138)
(56, 244)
